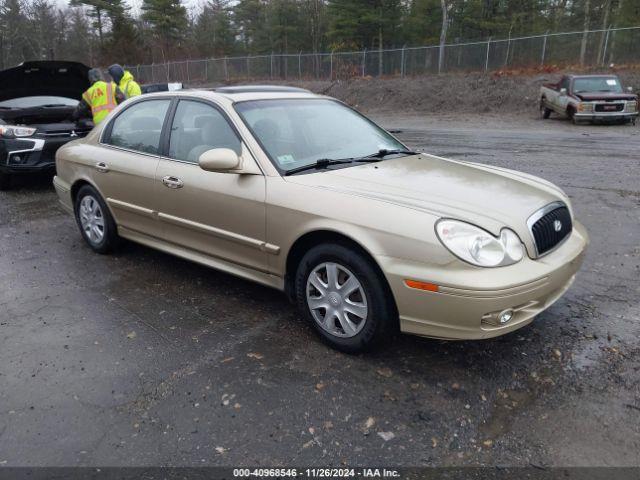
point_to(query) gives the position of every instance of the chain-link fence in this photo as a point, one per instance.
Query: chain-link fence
(590, 48)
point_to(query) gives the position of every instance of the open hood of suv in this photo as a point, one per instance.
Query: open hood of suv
(49, 78)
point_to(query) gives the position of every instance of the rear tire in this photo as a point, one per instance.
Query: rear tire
(346, 299)
(95, 221)
(5, 181)
(544, 111)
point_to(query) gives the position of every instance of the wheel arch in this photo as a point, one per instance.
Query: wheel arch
(317, 237)
(81, 182)
(76, 186)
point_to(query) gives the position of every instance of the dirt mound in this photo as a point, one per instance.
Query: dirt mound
(498, 92)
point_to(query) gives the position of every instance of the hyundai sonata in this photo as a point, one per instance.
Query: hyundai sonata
(302, 193)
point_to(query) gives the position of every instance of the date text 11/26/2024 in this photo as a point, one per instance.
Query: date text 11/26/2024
(316, 473)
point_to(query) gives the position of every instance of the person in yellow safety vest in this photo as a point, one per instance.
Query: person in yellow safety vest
(125, 80)
(99, 99)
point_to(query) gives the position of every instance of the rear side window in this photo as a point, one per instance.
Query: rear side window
(139, 126)
(198, 127)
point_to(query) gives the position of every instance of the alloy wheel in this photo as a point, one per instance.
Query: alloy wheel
(91, 219)
(337, 300)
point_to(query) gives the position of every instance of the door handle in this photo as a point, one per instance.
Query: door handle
(172, 182)
(102, 167)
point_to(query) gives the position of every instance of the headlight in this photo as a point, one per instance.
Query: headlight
(12, 131)
(479, 247)
(585, 107)
(632, 106)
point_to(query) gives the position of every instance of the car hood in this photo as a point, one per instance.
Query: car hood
(490, 197)
(49, 78)
(591, 96)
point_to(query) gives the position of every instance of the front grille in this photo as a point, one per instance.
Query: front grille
(66, 133)
(551, 228)
(609, 107)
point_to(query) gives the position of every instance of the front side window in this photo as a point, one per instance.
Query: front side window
(298, 132)
(198, 127)
(139, 126)
(597, 84)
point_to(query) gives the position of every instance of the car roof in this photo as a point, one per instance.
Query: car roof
(236, 94)
(259, 89)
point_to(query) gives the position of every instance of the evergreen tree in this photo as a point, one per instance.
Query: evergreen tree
(168, 22)
(251, 19)
(285, 25)
(97, 11)
(122, 44)
(370, 24)
(214, 33)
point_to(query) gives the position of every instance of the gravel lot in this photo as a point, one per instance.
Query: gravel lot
(140, 358)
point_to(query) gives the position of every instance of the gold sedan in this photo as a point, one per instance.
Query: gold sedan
(301, 193)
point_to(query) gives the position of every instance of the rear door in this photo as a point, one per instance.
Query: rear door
(127, 166)
(219, 214)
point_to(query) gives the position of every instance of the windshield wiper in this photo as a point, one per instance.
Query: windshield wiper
(323, 163)
(383, 152)
(319, 164)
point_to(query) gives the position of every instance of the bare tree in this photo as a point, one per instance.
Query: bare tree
(443, 34)
(585, 35)
(605, 23)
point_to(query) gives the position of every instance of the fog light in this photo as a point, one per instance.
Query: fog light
(505, 316)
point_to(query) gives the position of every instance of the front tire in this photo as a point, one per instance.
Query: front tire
(5, 181)
(571, 114)
(95, 221)
(345, 298)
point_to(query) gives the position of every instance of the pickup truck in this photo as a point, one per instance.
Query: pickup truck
(589, 98)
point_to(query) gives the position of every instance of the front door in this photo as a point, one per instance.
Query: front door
(219, 214)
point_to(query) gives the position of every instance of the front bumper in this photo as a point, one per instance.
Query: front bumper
(30, 154)
(23, 155)
(606, 116)
(469, 298)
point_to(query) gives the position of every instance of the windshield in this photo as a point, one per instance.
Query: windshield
(38, 101)
(597, 84)
(298, 132)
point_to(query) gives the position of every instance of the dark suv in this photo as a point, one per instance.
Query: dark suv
(37, 100)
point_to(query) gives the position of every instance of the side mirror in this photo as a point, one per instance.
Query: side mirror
(629, 89)
(563, 91)
(219, 160)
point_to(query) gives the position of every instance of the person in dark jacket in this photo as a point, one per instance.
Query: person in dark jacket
(124, 79)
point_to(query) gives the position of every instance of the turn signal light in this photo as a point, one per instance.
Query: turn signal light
(429, 287)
